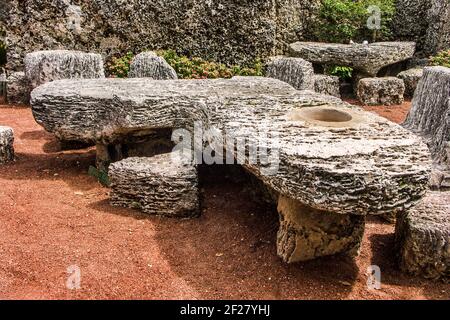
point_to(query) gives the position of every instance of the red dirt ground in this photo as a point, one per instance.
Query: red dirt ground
(395, 113)
(53, 215)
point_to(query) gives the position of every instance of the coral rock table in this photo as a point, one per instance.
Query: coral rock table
(331, 163)
(368, 59)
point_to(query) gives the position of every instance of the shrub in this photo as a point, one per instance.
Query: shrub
(344, 20)
(441, 59)
(187, 68)
(197, 68)
(119, 66)
(344, 73)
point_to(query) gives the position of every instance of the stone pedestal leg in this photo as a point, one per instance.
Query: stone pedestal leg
(103, 159)
(306, 233)
(107, 154)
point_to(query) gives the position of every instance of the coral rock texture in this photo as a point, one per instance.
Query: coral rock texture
(163, 185)
(149, 65)
(411, 79)
(381, 91)
(46, 66)
(233, 32)
(327, 85)
(369, 59)
(6, 144)
(430, 112)
(306, 234)
(17, 89)
(423, 237)
(295, 71)
(426, 22)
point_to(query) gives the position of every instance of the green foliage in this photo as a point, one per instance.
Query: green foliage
(344, 20)
(344, 73)
(100, 175)
(197, 68)
(119, 66)
(441, 59)
(187, 68)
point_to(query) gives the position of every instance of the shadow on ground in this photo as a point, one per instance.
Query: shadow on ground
(230, 251)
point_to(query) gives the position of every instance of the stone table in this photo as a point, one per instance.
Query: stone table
(331, 163)
(368, 59)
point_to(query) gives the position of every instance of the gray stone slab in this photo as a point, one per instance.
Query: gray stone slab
(369, 59)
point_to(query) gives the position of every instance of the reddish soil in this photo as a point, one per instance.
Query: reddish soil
(395, 113)
(53, 215)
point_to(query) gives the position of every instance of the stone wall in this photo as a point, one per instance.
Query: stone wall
(426, 22)
(231, 31)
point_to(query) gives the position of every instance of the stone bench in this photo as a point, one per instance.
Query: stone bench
(367, 59)
(326, 84)
(329, 157)
(149, 65)
(6, 144)
(411, 78)
(381, 91)
(295, 71)
(50, 65)
(423, 237)
(299, 73)
(161, 185)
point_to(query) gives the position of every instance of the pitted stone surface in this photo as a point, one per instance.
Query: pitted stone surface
(411, 78)
(17, 89)
(306, 234)
(381, 91)
(295, 71)
(423, 237)
(327, 85)
(161, 185)
(430, 113)
(426, 22)
(149, 65)
(232, 32)
(6, 144)
(369, 59)
(332, 156)
(46, 66)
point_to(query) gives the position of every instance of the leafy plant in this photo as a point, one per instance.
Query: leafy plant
(441, 59)
(120, 66)
(344, 73)
(187, 68)
(344, 20)
(100, 175)
(198, 68)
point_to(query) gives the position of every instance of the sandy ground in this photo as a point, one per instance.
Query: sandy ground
(53, 216)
